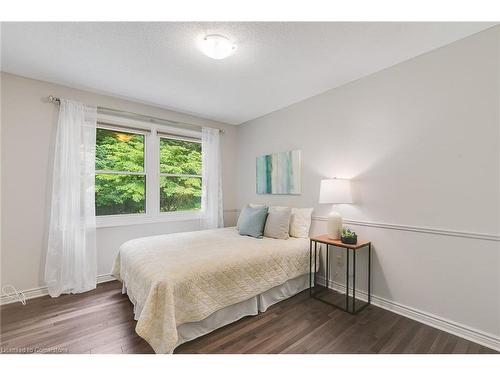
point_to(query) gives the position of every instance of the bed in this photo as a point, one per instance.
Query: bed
(185, 285)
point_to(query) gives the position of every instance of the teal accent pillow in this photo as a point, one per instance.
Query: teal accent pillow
(252, 221)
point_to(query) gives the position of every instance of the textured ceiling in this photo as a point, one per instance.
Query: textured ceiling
(276, 64)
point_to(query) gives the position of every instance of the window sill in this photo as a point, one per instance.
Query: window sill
(141, 219)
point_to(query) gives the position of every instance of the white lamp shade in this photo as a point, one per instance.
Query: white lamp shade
(335, 190)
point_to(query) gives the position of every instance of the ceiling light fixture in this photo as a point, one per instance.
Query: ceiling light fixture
(217, 46)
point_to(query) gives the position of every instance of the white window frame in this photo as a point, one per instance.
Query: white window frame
(151, 171)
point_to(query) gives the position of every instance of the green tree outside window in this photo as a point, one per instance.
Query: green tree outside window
(121, 179)
(180, 175)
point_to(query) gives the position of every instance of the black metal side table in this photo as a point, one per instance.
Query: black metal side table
(323, 239)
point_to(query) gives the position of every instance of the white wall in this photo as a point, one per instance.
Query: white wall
(421, 142)
(28, 135)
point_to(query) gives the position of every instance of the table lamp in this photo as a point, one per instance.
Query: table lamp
(335, 191)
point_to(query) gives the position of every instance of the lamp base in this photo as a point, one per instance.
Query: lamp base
(334, 225)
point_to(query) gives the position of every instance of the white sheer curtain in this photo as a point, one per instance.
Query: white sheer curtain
(71, 256)
(211, 201)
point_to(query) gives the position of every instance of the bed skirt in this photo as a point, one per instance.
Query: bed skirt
(230, 314)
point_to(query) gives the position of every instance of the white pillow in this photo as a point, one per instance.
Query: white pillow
(300, 222)
(278, 208)
(278, 223)
(251, 205)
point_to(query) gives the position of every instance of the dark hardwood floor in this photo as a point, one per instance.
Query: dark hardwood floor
(101, 321)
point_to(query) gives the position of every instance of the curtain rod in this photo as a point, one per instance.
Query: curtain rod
(54, 99)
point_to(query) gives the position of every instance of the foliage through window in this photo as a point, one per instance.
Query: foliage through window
(120, 180)
(126, 162)
(180, 175)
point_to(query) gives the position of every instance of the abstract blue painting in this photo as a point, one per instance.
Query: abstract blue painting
(279, 173)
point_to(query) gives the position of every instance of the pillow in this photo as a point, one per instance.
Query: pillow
(300, 222)
(253, 221)
(278, 223)
(279, 208)
(252, 205)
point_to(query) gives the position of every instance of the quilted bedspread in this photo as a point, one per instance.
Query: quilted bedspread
(184, 277)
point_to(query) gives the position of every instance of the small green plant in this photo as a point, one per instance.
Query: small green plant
(347, 233)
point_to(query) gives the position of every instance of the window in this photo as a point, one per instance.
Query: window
(120, 180)
(146, 172)
(180, 175)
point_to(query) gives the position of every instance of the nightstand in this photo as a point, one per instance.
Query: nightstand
(349, 303)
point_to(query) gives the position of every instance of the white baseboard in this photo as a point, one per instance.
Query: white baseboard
(43, 291)
(458, 329)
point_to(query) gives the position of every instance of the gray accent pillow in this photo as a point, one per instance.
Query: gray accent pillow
(252, 221)
(252, 205)
(278, 223)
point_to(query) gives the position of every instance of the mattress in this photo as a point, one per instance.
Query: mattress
(183, 278)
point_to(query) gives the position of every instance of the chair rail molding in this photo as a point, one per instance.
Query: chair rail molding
(411, 228)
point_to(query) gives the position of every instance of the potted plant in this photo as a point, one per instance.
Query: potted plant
(349, 237)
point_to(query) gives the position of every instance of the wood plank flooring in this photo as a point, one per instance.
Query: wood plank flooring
(101, 321)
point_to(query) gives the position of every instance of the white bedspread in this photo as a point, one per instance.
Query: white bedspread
(185, 277)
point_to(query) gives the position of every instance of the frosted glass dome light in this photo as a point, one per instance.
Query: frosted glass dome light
(217, 46)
